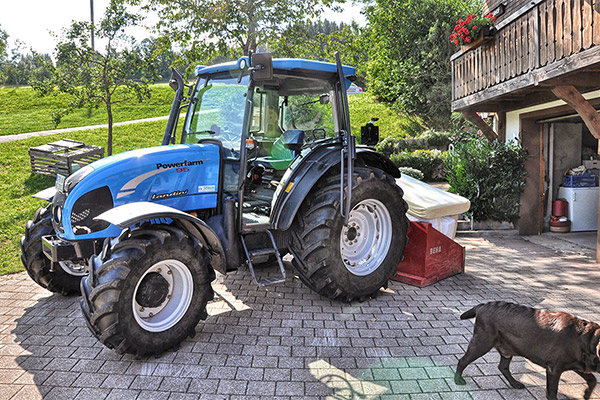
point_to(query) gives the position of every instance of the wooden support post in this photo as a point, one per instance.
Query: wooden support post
(586, 111)
(481, 124)
(501, 126)
(530, 210)
(590, 117)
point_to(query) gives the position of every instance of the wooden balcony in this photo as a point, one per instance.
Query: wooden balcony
(544, 44)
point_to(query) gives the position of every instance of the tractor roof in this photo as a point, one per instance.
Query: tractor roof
(286, 64)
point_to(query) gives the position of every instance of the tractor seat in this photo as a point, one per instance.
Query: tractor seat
(285, 149)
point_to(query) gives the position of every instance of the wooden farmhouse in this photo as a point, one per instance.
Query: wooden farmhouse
(538, 75)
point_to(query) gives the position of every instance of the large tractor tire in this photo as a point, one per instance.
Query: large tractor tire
(149, 292)
(353, 261)
(62, 277)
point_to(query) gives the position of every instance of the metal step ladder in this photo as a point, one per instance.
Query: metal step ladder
(261, 252)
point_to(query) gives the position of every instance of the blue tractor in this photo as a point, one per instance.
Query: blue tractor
(264, 165)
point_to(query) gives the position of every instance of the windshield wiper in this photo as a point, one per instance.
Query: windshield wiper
(199, 132)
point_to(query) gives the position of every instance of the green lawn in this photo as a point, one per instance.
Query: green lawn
(23, 110)
(17, 183)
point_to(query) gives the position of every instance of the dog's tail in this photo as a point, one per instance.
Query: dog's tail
(469, 314)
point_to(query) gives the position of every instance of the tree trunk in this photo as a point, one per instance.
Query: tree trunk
(251, 43)
(110, 126)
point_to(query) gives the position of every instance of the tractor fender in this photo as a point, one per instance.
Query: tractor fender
(371, 158)
(46, 194)
(308, 169)
(129, 214)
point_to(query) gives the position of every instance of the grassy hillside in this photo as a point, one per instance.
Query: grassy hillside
(23, 110)
(363, 107)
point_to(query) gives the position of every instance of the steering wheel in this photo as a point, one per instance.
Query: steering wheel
(229, 135)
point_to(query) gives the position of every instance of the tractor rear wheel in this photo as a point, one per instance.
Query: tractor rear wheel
(63, 277)
(150, 292)
(352, 261)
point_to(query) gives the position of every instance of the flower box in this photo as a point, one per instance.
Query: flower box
(487, 34)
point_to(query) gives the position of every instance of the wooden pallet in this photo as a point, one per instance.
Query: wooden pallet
(63, 157)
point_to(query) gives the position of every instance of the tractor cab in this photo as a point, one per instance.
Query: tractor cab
(261, 123)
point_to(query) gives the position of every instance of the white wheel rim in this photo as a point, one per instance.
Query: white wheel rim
(366, 239)
(176, 303)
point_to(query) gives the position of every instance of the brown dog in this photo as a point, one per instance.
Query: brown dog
(555, 340)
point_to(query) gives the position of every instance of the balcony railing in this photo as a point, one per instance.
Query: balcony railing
(538, 35)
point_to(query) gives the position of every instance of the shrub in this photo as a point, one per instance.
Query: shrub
(430, 139)
(412, 144)
(387, 146)
(414, 173)
(429, 162)
(437, 139)
(490, 174)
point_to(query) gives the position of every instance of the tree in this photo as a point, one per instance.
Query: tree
(3, 44)
(162, 58)
(320, 40)
(3, 60)
(410, 55)
(20, 67)
(97, 78)
(205, 28)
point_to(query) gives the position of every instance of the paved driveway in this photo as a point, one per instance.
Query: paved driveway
(286, 342)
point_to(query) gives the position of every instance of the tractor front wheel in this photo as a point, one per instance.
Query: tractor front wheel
(150, 292)
(355, 260)
(62, 277)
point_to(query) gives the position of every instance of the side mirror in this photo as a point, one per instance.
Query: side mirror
(176, 80)
(324, 99)
(261, 65)
(173, 83)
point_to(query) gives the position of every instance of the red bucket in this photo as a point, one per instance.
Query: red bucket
(559, 208)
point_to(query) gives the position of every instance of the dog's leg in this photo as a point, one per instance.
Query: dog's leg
(478, 346)
(503, 366)
(591, 382)
(552, 378)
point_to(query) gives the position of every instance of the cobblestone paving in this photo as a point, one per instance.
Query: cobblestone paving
(286, 342)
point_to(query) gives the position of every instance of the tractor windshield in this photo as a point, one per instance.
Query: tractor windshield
(217, 112)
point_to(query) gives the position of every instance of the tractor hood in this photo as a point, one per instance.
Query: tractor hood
(185, 177)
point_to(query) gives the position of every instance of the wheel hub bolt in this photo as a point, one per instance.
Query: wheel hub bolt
(141, 309)
(151, 314)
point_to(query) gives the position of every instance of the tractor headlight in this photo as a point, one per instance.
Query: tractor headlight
(76, 177)
(87, 207)
(57, 214)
